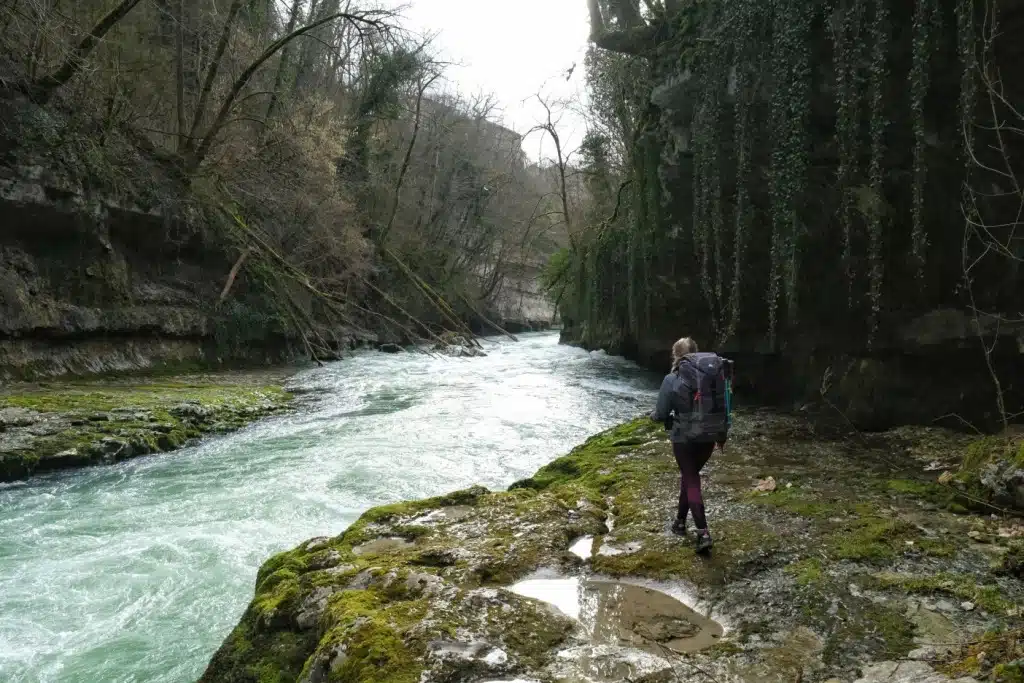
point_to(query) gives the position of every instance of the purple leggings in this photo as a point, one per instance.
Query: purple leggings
(691, 458)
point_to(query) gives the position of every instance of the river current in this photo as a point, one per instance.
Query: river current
(135, 573)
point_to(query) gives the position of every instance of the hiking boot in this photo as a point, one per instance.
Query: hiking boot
(679, 527)
(704, 542)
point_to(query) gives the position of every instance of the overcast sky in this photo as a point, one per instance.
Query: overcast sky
(511, 49)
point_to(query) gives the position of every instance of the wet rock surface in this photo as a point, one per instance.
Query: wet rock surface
(855, 566)
(63, 425)
(458, 346)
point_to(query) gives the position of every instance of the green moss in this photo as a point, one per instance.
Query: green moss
(807, 572)
(936, 548)
(252, 654)
(724, 649)
(589, 463)
(872, 539)
(293, 561)
(942, 496)
(797, 500)
(663, 562)
(982, 451)
(88, 398)
(374, 631)
(961, 586)
(883, 631)
(277, 597)
(666, 557)
(138, 414)
(1012, 562)
(1002, 452)
(997, 656)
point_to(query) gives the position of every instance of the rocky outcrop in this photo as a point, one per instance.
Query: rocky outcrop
(66, 426)
(521, 305)
(458, 346)
(993, 471)
(105, 265)
(573, 574)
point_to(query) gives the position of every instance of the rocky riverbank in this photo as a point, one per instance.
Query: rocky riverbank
(835, 559)
(61, 425)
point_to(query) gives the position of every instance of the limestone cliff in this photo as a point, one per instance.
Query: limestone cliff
(110, 263)
(799, 176)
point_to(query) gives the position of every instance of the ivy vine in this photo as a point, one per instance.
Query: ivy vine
(967, 44)
(746, 48)
(924, 17)
(706, 177)
(790, 107)
(847, 28)
(879, 72)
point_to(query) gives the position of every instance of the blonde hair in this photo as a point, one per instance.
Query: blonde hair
(681, 348)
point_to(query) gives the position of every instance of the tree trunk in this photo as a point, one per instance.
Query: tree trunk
(405, 162)
(282, 66)
(196, 159)
(44, 88)
(211, 72)
(179, 73)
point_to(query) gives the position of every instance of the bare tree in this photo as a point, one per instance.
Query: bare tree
(993, 237)
(43, 88)
(562, 157)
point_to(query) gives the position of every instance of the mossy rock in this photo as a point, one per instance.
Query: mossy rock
(416, 591)
(992, 472)
(88, 423)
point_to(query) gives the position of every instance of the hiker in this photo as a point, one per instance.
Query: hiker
(695, 390)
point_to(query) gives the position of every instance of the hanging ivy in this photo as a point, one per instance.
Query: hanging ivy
(877, 81)
(924, 17)
(968, 48)
(790, 106)
(705, 151)
(746, 49)
(847, 28)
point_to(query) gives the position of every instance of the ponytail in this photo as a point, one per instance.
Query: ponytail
(680, 350)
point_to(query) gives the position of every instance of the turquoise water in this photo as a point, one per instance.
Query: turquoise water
(135, 573)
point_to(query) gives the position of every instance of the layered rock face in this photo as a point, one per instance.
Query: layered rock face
(103, 268)
(522, 305)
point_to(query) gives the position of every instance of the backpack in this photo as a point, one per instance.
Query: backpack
(707, 377)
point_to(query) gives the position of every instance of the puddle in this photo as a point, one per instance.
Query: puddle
(583, 548)
(446, 514)
(381, 546)
(629, 628)
(563, 594)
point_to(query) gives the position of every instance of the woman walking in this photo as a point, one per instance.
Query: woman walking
(695, 392)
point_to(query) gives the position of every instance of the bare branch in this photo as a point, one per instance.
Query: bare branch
(196, 158)
(42, 89)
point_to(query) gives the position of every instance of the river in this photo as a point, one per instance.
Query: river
(135, 573)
